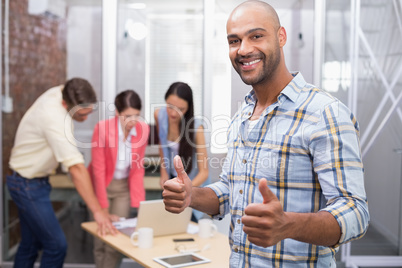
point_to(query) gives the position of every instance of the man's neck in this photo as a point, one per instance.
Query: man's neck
(267, 93)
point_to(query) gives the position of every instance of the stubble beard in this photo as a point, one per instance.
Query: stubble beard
(270, 65)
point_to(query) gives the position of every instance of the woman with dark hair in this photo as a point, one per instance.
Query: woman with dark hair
(117, 171)
(181, 134)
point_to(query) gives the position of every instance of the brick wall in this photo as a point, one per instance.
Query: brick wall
(37, 62)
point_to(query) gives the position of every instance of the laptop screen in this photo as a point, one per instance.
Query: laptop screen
(152, 214)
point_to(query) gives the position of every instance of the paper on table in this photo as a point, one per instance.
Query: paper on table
(132, 222)
(192, 229)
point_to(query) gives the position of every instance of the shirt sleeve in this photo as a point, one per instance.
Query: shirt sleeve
(222, 187)
(222, 191)
(334, 146)
(59, 134)
(98, 164)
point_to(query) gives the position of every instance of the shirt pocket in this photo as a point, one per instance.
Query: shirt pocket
(266, 163)
(275, 159)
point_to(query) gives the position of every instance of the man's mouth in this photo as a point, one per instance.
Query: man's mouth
(251, 62)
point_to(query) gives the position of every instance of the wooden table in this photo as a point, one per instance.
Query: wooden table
(218, 250)
(61, 181)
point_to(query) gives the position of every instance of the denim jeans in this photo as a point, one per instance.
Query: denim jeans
(40, 229)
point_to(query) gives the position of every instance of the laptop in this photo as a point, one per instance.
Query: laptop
(152, 213)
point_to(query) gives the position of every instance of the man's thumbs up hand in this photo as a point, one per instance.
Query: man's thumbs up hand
(265, 223)
(177, 192)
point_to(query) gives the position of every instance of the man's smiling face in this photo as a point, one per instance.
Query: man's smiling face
(254, 48)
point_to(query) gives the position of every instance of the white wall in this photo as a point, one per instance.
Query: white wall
(130, 55)
(84, 50)
(84, 60)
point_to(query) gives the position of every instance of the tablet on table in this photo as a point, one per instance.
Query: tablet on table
(181, 260)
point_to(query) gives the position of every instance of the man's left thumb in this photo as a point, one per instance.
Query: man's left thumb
(266, 193)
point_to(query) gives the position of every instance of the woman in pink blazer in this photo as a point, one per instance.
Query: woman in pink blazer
(117, 171)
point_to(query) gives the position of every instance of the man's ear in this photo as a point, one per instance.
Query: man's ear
(282, 37)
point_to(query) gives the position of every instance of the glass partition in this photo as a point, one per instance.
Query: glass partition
(362, 67)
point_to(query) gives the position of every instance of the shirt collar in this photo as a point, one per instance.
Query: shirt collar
(250, 98)
(291, 91)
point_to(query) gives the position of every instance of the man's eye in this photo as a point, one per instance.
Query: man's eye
(233, 41)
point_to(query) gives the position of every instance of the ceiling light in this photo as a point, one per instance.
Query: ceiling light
(136, 30)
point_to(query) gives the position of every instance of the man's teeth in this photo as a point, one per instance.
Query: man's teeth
(251, 62)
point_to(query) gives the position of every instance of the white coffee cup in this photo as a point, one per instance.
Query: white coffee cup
(143, 237)
(207, 228)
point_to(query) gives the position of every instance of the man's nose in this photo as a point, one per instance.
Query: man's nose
(245, 48)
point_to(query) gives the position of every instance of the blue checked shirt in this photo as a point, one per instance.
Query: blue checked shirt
(307, 147)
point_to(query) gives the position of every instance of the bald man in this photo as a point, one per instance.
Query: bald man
(293, 176)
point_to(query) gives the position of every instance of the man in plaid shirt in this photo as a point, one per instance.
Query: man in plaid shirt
(293, 177)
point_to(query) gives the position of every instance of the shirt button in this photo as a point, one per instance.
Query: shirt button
(241, 191)
(244, 161)
(238, 221)
(249, 113)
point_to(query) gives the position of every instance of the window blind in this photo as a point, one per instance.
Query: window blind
(174, 53)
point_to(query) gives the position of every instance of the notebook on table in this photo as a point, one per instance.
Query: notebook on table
(152, 213)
